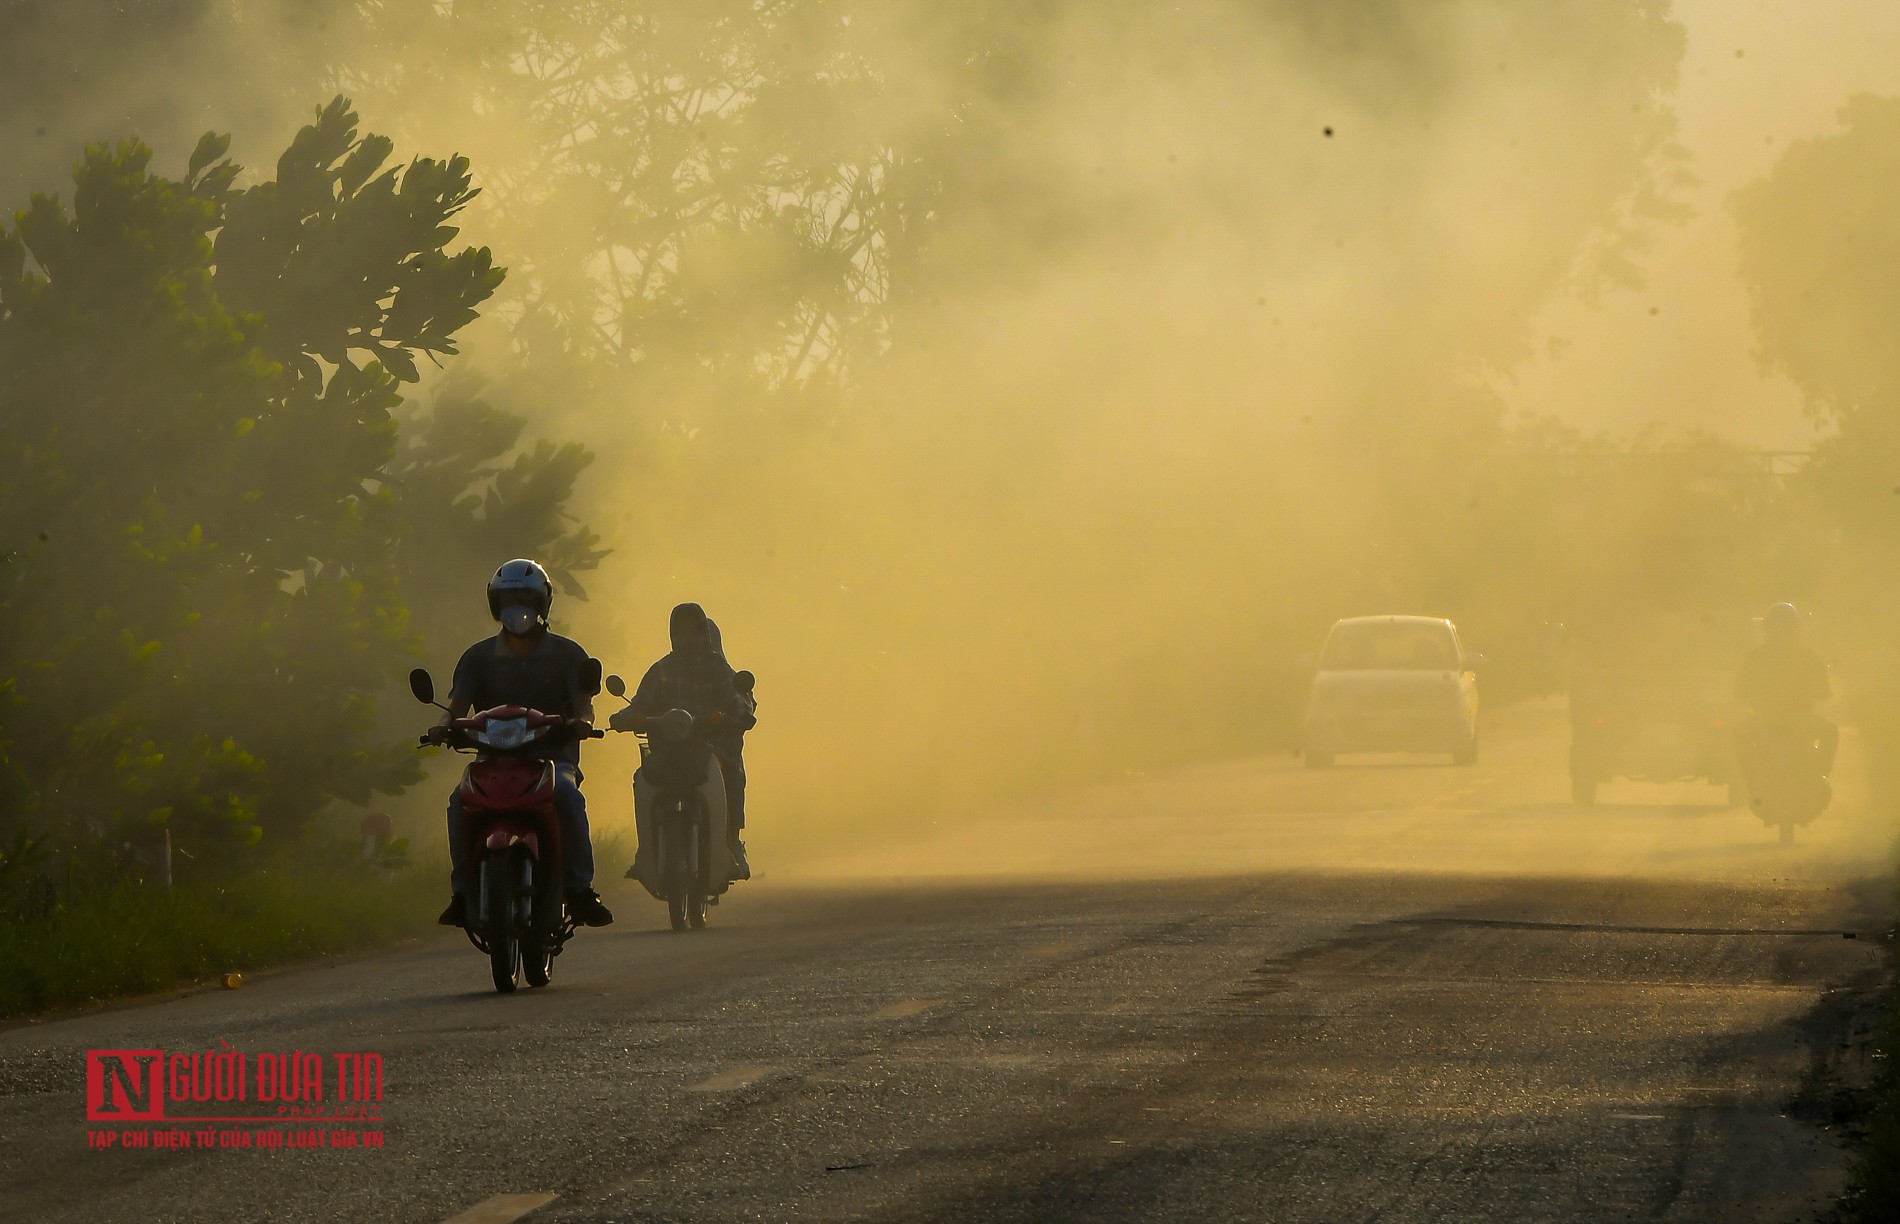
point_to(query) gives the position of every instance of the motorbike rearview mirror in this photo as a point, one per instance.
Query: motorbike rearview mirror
(743, 681)
(616, 686)
(422, 686)
(590, 676)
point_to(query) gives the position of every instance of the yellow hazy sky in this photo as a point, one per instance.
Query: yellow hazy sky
(1759, 74)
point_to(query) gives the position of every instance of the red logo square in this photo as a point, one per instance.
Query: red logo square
(125, 1085)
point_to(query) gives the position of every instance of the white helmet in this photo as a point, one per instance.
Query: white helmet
(521, 574)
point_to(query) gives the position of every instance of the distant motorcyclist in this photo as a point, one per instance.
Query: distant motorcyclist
(1781, 681)
(695, 677)
(528, 665)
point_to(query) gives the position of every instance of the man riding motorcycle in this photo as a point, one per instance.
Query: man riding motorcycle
(695, 677)
(1781, 680)
(527, 665)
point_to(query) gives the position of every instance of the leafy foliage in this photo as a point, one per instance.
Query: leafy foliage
(198, 388)
(1819, 239)
(476, 494)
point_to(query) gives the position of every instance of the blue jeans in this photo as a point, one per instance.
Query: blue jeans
(570, 808)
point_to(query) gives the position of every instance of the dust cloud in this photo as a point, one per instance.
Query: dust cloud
(1201, 376)
(1167, 337)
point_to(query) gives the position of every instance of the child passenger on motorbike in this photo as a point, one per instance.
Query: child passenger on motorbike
(695, 677)
(526, 664)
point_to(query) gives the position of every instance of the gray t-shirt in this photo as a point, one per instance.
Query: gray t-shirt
(547, 678)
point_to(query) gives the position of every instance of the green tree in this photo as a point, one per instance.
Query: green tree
(1820, 236)
(1820, 240)
(197, 387)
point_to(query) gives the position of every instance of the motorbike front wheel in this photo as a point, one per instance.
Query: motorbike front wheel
(537, 966)
(498, 913)
(544, 939)
(681, 858)
(675, 871)
(536, 962)
(701, 885)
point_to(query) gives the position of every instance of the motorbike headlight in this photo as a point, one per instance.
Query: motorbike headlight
(676, 725)
(507, 732)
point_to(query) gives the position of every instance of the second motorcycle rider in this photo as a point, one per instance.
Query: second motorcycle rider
(695, 677)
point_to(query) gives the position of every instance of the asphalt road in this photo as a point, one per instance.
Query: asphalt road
(1239, 992)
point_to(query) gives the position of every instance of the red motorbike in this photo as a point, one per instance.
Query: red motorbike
(517, 913)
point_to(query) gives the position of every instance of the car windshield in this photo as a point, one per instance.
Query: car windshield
(1389, 646)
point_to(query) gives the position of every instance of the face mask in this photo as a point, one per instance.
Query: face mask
(518, 619)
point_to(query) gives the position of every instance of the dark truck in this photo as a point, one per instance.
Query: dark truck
(1656, 706)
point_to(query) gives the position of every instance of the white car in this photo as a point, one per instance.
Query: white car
(1393, 684)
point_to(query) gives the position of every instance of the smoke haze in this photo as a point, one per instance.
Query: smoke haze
(1160, 338)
